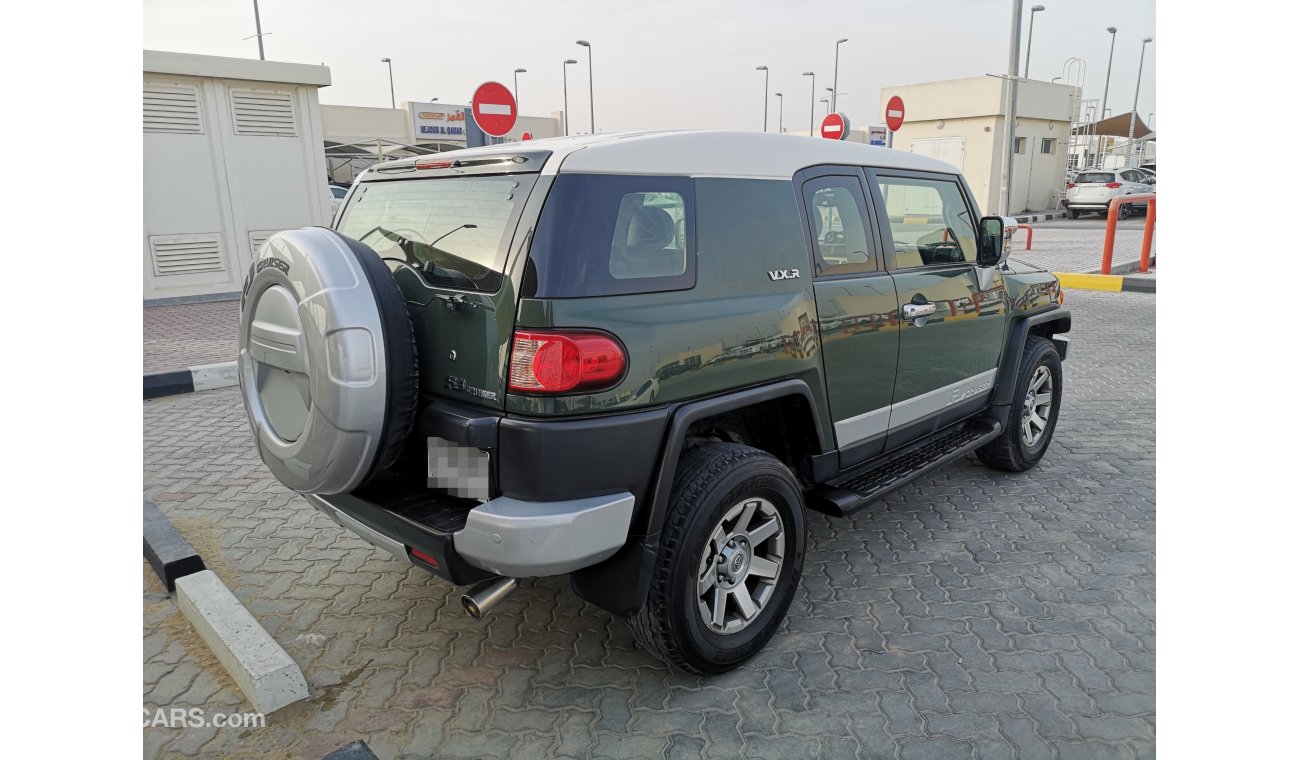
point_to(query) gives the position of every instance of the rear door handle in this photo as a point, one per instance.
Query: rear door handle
(916, 310)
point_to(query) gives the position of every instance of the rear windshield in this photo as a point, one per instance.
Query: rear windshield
(613, 234)
(1095, 177)
(455, 229)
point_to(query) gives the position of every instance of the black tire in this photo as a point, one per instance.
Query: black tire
(403, 365)
(1010, 451)
(1073, 213)
(1125, 210)
(711, 480)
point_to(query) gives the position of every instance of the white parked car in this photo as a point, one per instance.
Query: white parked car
(337, 194)
(1093, 190)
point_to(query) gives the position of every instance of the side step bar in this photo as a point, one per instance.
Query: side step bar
(859, 487)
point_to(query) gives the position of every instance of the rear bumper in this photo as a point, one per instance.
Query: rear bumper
(502, 536)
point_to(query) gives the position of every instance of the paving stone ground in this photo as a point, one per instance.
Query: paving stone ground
(1058, 249)
(186, 335)
(973, 614)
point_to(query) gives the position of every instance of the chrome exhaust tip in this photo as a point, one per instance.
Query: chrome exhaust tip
(483, 598)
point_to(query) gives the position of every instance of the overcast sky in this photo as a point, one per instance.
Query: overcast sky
(665, 64)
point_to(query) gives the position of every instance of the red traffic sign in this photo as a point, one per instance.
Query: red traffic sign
(526, 136)
(894, 114)
(494, 109)
(835, 126)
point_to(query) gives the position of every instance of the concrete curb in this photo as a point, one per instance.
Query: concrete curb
(261, 668)
(1044, 217)
(1113, 283)
(203, 377)
(170, 555)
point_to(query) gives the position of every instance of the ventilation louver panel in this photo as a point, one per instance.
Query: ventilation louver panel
(186, 254)
(172, 108)
(257, 237)
(263, 112)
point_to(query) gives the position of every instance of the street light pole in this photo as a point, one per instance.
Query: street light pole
(591, 85)
(1029, 44)
(517, 73)
(766, 73)
(835, 80)
(1106, 92)
(1132, 117)
(392, 94)
(812, 100)
(780, 117)
(1013, 64)
(257, 19)
(566, 95)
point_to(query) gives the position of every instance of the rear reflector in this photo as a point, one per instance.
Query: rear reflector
(425, 558)
(559, 362)
(1112, 185)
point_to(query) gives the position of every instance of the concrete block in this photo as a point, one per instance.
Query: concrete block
(170, 555)
(209, 376)
(266, 674)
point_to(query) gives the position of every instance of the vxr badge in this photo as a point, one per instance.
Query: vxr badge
(783, 274)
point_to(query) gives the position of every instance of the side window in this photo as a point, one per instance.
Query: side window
(649, 237)
(608, 234)
(929, 220)
(837, 216)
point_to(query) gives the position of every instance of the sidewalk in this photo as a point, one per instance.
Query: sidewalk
(1029, 217)
(189, 335)
(1066, 250)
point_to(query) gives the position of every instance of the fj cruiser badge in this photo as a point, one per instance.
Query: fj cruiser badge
(783, 274)
(458, 384)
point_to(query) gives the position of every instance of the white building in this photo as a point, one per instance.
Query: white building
(963, 122)
(232, 154)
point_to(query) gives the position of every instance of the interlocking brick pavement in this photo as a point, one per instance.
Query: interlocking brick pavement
(973, 614)
(1057, 249)
(186, 335)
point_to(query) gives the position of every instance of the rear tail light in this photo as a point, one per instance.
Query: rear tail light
(560, 362)
(434, 163)
(1112, 185)
(1069, 185)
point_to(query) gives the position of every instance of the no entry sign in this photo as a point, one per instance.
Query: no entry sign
(494, 109)
(835, 126)
(894, 114)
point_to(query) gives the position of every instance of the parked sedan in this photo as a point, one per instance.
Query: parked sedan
(337, 194)
(1093, 191)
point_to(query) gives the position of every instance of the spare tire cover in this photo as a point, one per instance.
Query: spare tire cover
(315, 361)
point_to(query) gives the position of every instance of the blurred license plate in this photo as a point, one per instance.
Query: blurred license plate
(459, 470)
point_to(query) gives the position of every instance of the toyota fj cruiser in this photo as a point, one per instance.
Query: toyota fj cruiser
(636, 359)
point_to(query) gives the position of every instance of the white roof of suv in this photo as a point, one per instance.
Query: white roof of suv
(708, 153)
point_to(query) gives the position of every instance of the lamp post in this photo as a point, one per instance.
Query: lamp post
(835, 80)
(392, 95)
(827, 101)
(766, 74)
(566, 95)
(780, 113)
(257, 19)
(812, 100)
(1013, 66)
(591, 85)
(1029, 45)
(517, 73)
(1105, 93)
(1054, 79)
(1132, 117)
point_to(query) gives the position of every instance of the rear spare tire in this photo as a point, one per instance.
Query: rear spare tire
(327, 362)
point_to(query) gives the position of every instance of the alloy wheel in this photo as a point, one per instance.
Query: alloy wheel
(740, 565)
(1037, 406)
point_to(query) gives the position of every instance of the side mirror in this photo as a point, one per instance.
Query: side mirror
(992, 244)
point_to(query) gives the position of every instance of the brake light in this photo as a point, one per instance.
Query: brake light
(1069, 185)
(429, 163)
(558, 362)
(1112, 185)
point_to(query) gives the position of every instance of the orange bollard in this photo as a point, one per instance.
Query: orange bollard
(1147, 233)
(1112, 218)
(1029, 237)
(1108, 247)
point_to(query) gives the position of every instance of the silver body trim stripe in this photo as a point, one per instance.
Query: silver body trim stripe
(862, 427)
(895, 416)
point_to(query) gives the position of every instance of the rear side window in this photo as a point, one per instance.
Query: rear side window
(1094, 177)
(614, 234)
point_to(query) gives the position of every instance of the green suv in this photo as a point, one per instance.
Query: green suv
(637, 359)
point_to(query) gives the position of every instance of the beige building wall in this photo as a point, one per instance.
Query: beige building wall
(962, 122)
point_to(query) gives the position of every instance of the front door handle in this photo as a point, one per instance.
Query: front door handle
(913, 311)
